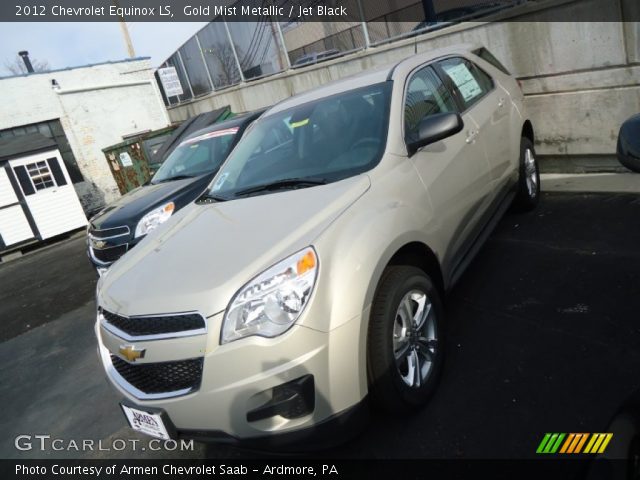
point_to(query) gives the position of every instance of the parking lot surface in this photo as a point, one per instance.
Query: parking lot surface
(543, 335)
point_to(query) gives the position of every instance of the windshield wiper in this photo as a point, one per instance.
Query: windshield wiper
(170, 179)
(282, 184)
(209, 197)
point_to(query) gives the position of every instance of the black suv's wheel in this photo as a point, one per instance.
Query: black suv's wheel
(405, 343)
(528, 192)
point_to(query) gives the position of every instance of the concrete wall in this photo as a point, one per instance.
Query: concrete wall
(581, 79)
(97, 105)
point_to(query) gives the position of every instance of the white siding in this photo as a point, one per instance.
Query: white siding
(14, 227)
(7, 195)
(57, 213)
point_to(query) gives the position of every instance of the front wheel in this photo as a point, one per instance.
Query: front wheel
(528, 192)
(405, 343)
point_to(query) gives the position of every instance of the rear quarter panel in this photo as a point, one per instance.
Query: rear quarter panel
(509, 85)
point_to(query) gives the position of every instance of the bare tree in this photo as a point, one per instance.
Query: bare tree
(228, 68)
(17, 66)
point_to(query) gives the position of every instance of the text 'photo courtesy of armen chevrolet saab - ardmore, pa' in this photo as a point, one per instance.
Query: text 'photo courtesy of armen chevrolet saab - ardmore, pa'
(320, 238)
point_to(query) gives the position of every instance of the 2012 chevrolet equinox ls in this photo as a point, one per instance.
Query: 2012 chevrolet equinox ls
(311, 273)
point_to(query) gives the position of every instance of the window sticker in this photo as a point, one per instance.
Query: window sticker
(220, 182)
(218, 133)
(467, 85)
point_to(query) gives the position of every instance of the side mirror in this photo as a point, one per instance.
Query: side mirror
(629, 143)
(435, 128)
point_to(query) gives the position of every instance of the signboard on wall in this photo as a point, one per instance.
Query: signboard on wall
(170, 81)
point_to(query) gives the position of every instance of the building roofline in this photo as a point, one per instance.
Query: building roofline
(108, 62)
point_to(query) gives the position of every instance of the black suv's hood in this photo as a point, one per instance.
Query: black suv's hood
(131, 207)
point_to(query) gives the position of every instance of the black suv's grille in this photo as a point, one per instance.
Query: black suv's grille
(164, 377)
(109, 255)
(138, 326)
(109, 232)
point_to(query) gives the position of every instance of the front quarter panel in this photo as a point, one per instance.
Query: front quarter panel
(354, 252)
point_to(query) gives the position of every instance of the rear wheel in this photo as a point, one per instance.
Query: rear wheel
(405, 343)
(528, 192)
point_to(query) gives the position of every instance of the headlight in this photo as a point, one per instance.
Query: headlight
(154, 218)
(272, 302)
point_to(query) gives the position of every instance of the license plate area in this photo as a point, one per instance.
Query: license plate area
(152, 422)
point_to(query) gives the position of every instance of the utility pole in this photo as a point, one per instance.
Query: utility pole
(125, 33)
(429, 11)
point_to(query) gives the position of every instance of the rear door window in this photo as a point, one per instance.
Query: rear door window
(469, 80)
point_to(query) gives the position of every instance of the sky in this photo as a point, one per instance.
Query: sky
(79, 43)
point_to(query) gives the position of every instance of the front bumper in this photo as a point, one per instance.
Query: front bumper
(240, 377)
(330, 432)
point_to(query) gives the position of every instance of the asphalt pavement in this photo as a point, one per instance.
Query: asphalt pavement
(543, 335)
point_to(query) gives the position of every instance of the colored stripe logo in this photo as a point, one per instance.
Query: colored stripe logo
(573, 443)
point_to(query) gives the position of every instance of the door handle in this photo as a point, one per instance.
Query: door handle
(471, 136)
(501, 103)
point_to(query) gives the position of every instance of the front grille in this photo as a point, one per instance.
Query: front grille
(109, 232)
(138, 326)
(109, 255)
(164, 377)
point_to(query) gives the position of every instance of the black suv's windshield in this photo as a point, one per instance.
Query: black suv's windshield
(197, 156)
(318, 142)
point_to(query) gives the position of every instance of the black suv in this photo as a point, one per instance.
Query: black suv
(181, 179)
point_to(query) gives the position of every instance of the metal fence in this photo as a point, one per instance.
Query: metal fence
(223, 54)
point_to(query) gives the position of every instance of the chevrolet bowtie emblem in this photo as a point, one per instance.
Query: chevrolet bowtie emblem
(99, 243)
(131, 353)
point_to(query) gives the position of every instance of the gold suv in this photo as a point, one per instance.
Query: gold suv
(310, 275)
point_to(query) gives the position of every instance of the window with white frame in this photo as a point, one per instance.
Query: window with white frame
(40, 175)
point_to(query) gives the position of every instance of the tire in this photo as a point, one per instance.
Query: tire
(628, 161)
(392, 387)
(628, 148)
(528, 193)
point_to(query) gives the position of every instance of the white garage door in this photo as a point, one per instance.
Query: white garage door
(14, 226)
(49, 194)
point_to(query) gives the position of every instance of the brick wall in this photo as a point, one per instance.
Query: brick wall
(97, 105)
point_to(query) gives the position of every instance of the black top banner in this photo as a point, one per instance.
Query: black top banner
(291, 11)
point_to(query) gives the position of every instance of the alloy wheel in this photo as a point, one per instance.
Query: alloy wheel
(415, 340)
(531, 173)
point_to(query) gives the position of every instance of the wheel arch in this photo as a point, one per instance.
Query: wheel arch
(527, 131)
(418, 254)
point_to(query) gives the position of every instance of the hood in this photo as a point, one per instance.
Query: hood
(200, 258)
(131, 207)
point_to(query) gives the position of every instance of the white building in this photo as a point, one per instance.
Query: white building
(84, 109)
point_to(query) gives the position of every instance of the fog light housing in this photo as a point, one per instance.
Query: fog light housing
(290, 400)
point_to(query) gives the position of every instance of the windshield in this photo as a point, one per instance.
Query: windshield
(322, 141)
(197, 156)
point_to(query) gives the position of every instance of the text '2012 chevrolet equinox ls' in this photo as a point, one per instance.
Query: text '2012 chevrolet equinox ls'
(310, 275)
